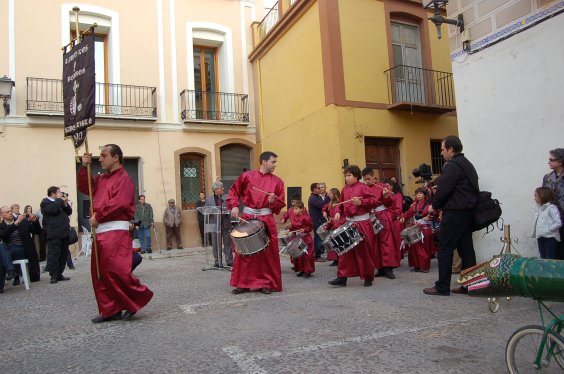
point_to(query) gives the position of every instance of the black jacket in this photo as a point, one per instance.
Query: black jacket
(25, 228)
(457, 187)
(56, 218)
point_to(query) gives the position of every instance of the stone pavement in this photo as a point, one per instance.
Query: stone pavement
(195, 325)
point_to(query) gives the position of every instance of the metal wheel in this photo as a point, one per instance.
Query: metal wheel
(493, 304)
(559, 356)
(522, 348)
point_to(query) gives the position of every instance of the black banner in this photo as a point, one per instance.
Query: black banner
(79, 88)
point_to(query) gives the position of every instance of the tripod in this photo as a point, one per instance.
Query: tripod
(213, 225)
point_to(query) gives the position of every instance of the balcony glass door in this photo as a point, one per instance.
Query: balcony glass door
(408, 78)
(206, 83)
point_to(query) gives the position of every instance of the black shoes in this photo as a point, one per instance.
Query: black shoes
(390, 274)
(300, 274)
(367, 283)
(434, 292)
(63, 278)
(339, 281)
(115, 317)
(307, 275)
(334, 263)
(16, 281)
(149, 251)
(127, 315)
(216, 265)
(415, 270)
(385, 272)
(230, 264)
(265, 291)
(54, 280)
(380, 273)
(11, 274)
(238, 291)
(72, 267)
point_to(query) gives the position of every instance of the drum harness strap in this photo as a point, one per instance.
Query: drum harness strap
(380, 208)
(362, 217)
(257, 212)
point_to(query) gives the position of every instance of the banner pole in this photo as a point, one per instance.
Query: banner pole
(88, 169)
(89, 174)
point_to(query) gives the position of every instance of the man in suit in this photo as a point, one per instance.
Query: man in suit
(56, 211)
(218, 200)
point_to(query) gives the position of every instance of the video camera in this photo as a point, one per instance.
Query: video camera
(424, 172)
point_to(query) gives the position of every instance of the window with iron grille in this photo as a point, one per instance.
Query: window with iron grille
(437, 160)
(192, 178)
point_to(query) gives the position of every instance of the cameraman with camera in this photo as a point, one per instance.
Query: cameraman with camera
(56, 211)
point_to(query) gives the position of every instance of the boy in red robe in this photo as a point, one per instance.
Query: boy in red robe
(357, 200)
(301, 222)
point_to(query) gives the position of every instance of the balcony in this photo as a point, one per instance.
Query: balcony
(204, 106)
(120, 101)
(422, 90)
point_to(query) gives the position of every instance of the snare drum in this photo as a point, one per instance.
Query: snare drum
(284, 237)
(249, 237)
(345, 238)
(376, 224)
(323, 232)
(411, 235)
(296, 248)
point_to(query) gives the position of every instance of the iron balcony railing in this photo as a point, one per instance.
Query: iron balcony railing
(409, 84)
(268, 21)
(45, 96)
(214, 106)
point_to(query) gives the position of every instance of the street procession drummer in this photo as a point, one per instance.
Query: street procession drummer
(262, 194)
(357, 200)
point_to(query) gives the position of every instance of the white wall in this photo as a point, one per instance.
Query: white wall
(510, 103)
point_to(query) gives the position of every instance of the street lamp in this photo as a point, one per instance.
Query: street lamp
(438, 19)
(6, 85)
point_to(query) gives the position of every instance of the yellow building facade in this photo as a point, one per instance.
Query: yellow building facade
(173, 82)
(362, 82)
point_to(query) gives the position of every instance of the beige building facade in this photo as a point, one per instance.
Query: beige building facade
(172, 90)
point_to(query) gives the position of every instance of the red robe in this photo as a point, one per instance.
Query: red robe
(261, 270)
(419, 254)
(332, 225)
(306, 262)
(386, 249)
(114, 200)
(397, 213)
(359, 261)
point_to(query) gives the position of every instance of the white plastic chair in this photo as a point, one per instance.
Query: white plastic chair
(86, 239)
(25, 273)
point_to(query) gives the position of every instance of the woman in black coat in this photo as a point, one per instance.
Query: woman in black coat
(24, 225)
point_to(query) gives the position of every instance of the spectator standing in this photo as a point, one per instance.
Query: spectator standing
(218, 199)
(547, 223)
(172, 218)
(555, 181)
(42, 237)
(315, 205)
(144, 213)
(200, 203)
(56, 211)
(456, 195)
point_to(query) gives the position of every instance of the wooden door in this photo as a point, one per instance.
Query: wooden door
(382, 155)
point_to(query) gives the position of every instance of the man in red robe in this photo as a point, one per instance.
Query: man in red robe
(262, 194)
(113, 207)
(390, 255)
(357, 200)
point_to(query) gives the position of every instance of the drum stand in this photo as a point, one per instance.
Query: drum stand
(213, 224)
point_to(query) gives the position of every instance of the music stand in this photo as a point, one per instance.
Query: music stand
(213, 225)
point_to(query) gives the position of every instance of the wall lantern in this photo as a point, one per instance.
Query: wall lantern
(438, 19)
(6, 85)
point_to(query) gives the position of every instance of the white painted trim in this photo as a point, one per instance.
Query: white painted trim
(160, 47)
(114, 73)
(173, 67)
(12, 52)
(227, 74)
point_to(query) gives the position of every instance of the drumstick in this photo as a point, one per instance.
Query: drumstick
(342, 202)
(266, 193)
(244, 220)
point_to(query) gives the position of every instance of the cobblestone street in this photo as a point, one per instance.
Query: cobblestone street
(195, 325)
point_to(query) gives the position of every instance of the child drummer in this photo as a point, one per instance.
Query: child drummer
(419, 254)
(288, 216)
(329, 210)
(301, 222)
(357, 200)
